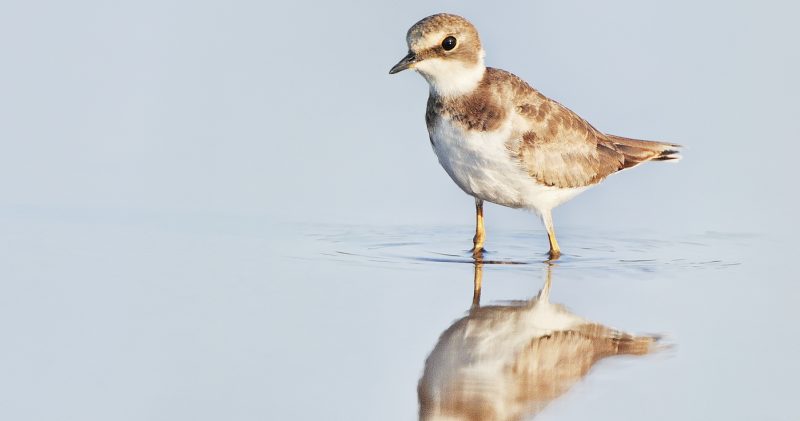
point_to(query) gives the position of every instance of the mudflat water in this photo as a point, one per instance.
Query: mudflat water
(167, 318)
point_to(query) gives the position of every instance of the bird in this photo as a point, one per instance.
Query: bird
(502, 141)
(508, 362)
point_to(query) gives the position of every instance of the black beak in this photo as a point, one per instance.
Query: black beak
(405, 63)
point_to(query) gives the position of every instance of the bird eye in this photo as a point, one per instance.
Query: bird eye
(449, 43)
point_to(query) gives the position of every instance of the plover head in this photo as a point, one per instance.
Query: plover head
(447, 51)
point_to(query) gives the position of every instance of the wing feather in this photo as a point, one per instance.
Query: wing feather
(555, 145)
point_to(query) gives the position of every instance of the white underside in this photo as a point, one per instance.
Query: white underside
(481, 165)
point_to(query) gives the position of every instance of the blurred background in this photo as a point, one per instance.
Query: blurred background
(163, 162)
(287, 109)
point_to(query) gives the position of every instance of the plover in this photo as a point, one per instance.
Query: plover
(501, 140)
(508, 362)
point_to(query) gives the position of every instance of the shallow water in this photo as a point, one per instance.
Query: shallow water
(151, 318)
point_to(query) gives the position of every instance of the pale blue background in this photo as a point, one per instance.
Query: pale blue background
(287, 109)
(156, 158)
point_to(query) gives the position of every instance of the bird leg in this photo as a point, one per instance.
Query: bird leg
(544, 293)
(477, 281)
(480, 234)
(547, 218)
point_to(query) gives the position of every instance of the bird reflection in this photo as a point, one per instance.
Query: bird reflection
(507, 362)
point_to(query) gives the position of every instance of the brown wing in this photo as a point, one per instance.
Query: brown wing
(558, 148)
(550, 365)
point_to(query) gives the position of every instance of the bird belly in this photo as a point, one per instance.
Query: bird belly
(480, 163)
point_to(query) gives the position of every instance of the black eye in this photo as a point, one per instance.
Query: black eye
(449, 43)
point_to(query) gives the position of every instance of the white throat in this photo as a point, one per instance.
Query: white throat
(450, 78)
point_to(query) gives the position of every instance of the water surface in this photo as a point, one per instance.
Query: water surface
(163, 318)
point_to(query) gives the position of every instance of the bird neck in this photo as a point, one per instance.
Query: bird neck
(454, 78)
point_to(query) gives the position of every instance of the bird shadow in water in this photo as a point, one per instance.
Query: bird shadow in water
(508, 362)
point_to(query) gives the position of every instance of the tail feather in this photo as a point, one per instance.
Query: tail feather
(634, 345)
(637, 151)
(613, 342)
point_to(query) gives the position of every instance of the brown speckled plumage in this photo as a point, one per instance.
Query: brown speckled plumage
(481, 110)
(555, 145)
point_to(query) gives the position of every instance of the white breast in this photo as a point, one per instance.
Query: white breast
(481, 165)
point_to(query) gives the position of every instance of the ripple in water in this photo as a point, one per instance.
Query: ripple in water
(595, 251)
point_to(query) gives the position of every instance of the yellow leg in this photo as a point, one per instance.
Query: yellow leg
(544, 293)
(477, 280)
(555, 251)
(480, 234)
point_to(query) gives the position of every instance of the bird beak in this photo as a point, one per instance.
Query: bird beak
(405, 63)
